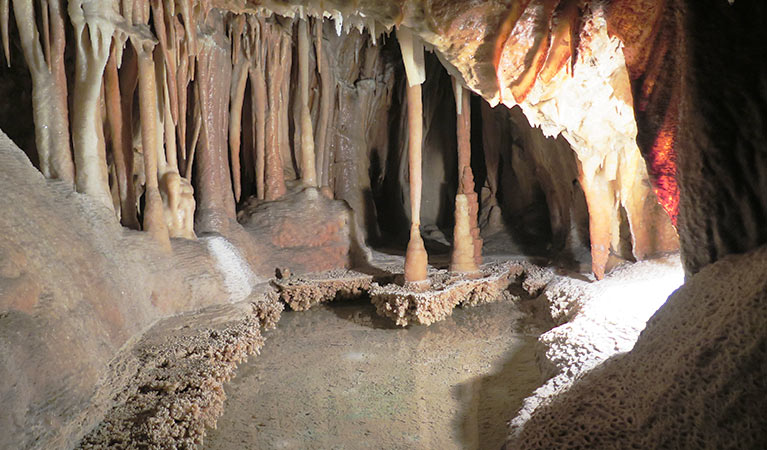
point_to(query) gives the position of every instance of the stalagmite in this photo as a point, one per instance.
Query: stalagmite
(416, 259)
(123, 173)
(466, 233)
(237, 98)
(462, 257)
(308, 170)
(49, 89)
(93, 29)
(177, 193)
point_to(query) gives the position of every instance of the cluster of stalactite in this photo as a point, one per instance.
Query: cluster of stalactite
(550, 56)
(179, 110)
(159, 88)
(168, 91)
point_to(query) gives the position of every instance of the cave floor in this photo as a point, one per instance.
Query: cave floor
(339, 376)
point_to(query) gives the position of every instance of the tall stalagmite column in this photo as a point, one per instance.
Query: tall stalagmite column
(467, 245)
(278, 50)
(151, 135)
(416, 259)
(93, 38)
(216, 206)
(308, 169)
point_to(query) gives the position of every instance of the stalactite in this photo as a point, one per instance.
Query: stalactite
(536, 56)
(159, 127)
(258, 104)
(240, 66)
(318, 42)
(93, 30)
(467, 238)
(167, 46)
(308, 169)
(274, 181)
(562, 41)
(49, 90)
(46, 30)
(601, 204)
(416, 259)
(254, 51)
(169, 132)
(190, 28)
(182, 84)
(216, 207)
(128, 216)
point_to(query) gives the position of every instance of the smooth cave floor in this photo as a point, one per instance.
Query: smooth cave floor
(339, 376)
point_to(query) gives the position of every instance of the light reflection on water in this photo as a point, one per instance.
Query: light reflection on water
(341, 377)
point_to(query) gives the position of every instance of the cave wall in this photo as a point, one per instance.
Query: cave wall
(696, 376)
(722, 144)
(75, 288)
(694, 379)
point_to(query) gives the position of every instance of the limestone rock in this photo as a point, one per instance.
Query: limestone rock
(695, 378)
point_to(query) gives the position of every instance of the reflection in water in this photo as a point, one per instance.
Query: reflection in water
(341, 377)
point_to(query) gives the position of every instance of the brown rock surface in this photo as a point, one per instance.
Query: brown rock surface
(88, 288)
(304, 231)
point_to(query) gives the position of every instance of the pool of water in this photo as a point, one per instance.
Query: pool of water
(338, 376)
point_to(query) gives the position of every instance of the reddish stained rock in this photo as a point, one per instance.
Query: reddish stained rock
(303, 231)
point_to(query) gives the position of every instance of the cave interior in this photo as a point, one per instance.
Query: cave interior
(456, 176)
